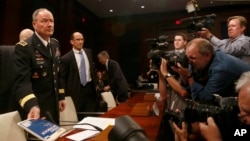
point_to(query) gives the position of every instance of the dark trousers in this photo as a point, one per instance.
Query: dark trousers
(87, 100)
(121, 96)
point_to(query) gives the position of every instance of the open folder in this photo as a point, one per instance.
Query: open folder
(42, 129)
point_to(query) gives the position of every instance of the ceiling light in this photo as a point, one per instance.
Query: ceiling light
(142, 6)
(111, 10)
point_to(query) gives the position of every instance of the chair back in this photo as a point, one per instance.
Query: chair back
(109, 98)
(69, 115)
(9, 130)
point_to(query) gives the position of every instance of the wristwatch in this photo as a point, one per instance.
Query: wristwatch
(167, 75)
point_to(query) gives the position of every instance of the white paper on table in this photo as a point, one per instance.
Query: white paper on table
(157, 95)
(156, 109)
(83, 135)
(96, 121)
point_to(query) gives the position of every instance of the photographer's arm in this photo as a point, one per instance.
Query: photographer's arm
(216, 42)
(162, 87)
(175, 85)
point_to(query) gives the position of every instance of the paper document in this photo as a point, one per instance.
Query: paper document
(42, 129)
(96, 121)
(156, 109)
(83, 135)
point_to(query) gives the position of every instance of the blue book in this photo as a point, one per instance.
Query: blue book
(42, 129)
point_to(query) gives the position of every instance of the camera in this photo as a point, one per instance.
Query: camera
(224, 110)
(126, 129)
(159, 43)
(198, 22)
(159, 49)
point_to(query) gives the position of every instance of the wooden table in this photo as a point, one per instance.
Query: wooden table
(150, 124)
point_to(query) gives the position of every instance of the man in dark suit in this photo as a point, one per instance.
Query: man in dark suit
(6, 72)
(36, 62)
(117, 82)
(78, 75)
(6, 79)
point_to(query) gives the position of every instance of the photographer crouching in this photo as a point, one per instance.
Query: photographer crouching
(210, 72)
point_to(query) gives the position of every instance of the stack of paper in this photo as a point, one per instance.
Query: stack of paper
(83, 135)
(88, 124)
(96, 121)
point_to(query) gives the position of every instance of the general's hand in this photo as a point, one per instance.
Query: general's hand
(106, 88)
(62, 105)
(210, 131)
(181, 133)
(34, 113)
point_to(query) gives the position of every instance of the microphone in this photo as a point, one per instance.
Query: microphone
(96, 127)
(49, 116)
(190, 19)
(187, 19)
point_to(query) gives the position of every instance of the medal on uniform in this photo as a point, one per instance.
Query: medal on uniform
(44, 74)
(35, 75)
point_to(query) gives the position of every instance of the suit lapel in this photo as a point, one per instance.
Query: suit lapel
(72, 56)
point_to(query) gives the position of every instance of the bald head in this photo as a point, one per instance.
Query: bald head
(25, 33)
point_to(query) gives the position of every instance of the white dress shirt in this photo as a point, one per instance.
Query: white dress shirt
(78, 61)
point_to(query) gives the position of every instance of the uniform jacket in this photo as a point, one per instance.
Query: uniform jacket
(37, 73)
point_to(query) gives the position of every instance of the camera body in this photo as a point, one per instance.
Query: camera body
(173, 58)
(159, 43)
(224, 110)
(198, 22)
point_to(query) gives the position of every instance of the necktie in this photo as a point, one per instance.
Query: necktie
(83, 75)
(49, 48)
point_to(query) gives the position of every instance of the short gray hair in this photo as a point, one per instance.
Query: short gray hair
(103, 54)
(35, 13)
(242, 81)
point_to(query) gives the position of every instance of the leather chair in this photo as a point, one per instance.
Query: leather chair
(9, 130)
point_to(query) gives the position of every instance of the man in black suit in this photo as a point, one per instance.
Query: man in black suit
(7, 74)
(36, 62)
(78, 75)
(117, 82)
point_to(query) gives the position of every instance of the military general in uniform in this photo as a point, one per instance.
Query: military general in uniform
(37, 62)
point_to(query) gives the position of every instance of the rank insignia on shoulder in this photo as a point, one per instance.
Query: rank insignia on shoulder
(22, 43)
(55, 39)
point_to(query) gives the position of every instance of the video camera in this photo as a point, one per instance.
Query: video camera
(158, 43)
(198, 22)
(159, 49)
(224, 110)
